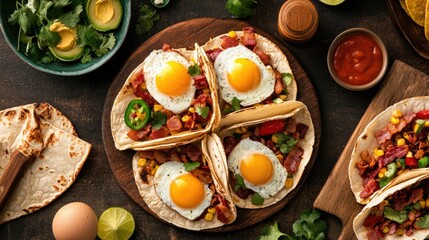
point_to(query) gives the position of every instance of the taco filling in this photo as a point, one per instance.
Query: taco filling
(401, 214)
(247, 70)
(172, 95)
(263, 159)
(183, 181)
(403, 144)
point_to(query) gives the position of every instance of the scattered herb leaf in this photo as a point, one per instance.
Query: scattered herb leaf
(257, 199)
(272, 232)
(235, 103)
(189, 166)
(194, 70)
(146, 19)
(202, 111)
(240, 8)
(285, 142)
(158, 119)
(239, 182)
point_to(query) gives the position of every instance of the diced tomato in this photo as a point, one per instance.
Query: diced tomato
(133, 135)
(271, 127)
(424, 114)
(411, 162)
(372, 220)
(159, 133)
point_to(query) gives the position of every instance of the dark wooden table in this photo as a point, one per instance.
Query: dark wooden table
(82, 98)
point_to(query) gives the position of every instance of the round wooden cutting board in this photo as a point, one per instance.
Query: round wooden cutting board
(185, 34)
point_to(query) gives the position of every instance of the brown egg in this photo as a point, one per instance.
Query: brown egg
(75, 221)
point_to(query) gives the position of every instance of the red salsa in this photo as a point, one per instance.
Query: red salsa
(357, 59)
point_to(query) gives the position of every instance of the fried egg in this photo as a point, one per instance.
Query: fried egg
(241, 74)
(182, 191)
(258, 165)
(168, 81)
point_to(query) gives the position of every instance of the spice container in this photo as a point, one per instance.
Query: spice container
(297, 20)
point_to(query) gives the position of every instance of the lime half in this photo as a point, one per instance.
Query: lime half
(115, 224)
(332, 2)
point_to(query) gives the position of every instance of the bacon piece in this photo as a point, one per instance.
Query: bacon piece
(142, 93)
(383, 135)
(265, 58)
(229, 143)
(278, 87)
(212, 54)
(202, 100)
(224, 214)
(202, 175)
(372, 220)
(200, 82)
(249, 38)
(301, 129)
(228, 42)
(137, 135)
(174, 123)
(146, 154)
(166, 47)
(291, 125)
(404, 199)
(387, 132)
(375, 235)
(370, 187)
(160, 133)
(192, 152)
(160, 157)
(393, 152)
(293, 159)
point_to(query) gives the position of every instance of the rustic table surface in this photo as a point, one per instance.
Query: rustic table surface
(82, 99)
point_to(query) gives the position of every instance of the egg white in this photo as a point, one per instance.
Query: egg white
(247, 147)
(163, 178)
(265, 87)
(152, 65)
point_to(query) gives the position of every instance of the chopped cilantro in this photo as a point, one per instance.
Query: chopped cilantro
(397, 216)
(285, 142)
(202, 111)
(108, 42)
(240, 8)
(146, 19)
(239, 182)
(257, 199)
(194, 70)
(235, 103)
(189, 166)
(423, 222)
(158, 119)
(71, 18)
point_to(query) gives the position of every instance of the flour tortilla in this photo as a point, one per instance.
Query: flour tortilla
(52, 171)
(367, 141)
(150, 197)
(279, 61)
(290, 109)
(407, 180)
(120, 129)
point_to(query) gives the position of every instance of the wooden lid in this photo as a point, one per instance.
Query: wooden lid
(297, 20)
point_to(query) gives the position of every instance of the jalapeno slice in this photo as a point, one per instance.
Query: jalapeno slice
(137, 114)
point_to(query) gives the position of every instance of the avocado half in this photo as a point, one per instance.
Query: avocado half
(109, 25)
(67, 56)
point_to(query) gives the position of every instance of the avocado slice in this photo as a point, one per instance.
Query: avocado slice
(104, 15)
(67, 56)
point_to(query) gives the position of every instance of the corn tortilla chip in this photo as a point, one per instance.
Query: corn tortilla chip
(427, 21)
(416, 9)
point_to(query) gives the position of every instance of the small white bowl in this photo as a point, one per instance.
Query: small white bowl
(331, 52)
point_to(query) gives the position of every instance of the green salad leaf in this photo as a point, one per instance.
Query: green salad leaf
(397, 216)
(189, 166)
(423, 222)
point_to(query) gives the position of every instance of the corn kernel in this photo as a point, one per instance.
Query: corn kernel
(142, 162)
(400, 142)
(426, 123)
(385, 202)
(394, 120)
(206, 90)
(274, 138)
(240, 130)
(409, 154)
(152, 164)
(397, 113)
(386, 229)
(143, 86)
(283, 97)
(185, 118)
(211, 210)
(379, 152)
(400, 232)
(405, 135)
(157, 107)
(279, 157)
(232, 34)
(381, 172)
(208, 217)
(153, 171)
(289, 182)
(191, 109)
(416, 127)
(427, 203)
(422, 203)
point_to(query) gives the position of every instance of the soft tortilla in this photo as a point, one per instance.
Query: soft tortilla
(407, 180)
(150, 197)
(52, 172)
(367, 140)
(301, 114)
(278, 61)
(120, 129)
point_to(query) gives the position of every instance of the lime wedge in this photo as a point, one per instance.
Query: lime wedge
(332, 2)
(115, 223)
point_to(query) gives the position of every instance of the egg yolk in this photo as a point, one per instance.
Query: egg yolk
(173, 79)
(187, 191)
(257, 169)
(243, 75)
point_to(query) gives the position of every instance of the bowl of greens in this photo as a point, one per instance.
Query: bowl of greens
(65, 37)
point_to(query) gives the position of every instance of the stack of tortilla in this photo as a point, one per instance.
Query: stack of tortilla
(418, 10)
(53, 170)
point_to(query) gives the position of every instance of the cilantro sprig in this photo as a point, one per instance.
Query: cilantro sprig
(285, 142)
(158, 119)
(189, 166)
(146, 19)
(240, 8)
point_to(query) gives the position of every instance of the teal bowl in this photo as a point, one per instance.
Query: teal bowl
(60, 68)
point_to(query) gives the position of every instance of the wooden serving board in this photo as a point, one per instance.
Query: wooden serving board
(336, 197)
(185, 34)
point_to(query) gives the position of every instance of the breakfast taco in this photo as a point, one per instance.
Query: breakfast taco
(250, 70)
(265, 158)
(169, 98)
(180, 186)
(399, 212)
(394, 142)
(53, 169)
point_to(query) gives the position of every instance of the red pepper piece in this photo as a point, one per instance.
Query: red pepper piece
(423, 114)
(271, 127)
(411, 162)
